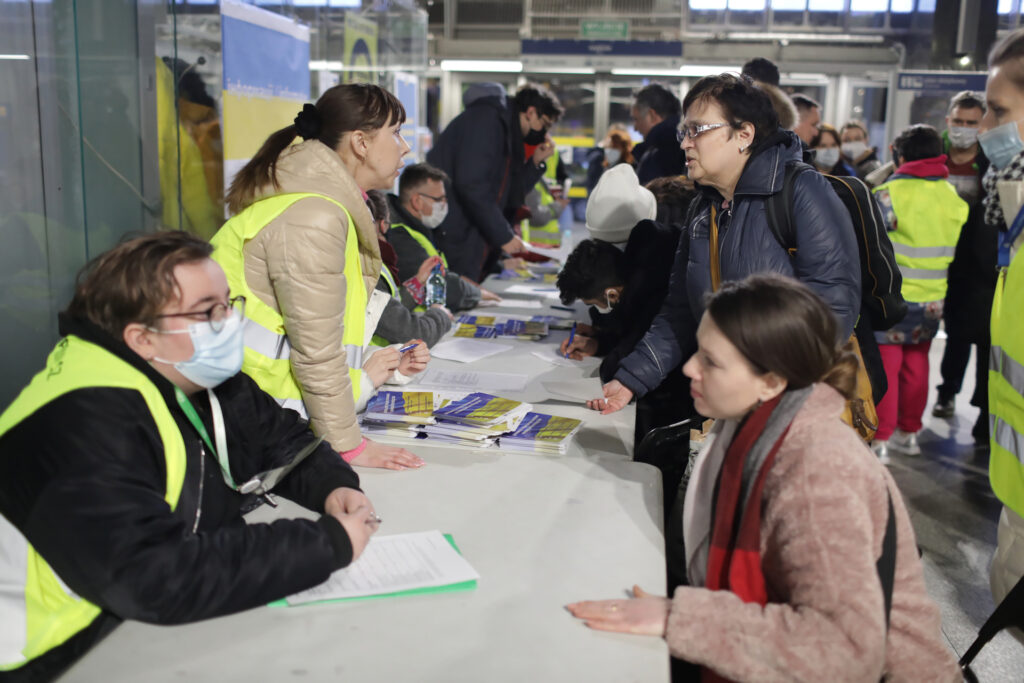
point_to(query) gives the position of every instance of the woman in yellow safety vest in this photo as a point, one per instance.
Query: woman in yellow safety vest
(302, 248)
(1000, 139)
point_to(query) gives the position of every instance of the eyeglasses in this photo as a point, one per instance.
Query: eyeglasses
(216, 314)
(442, 198)
(693, 131)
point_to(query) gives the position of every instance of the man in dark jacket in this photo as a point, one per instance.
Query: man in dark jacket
(827, 260)
(417, 216)
(482, 151)
(656, 111)
(972, 274)
(125, 464)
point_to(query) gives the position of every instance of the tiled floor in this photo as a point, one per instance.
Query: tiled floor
(955, 512)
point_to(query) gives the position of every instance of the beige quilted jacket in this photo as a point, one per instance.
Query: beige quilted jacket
(296, 266)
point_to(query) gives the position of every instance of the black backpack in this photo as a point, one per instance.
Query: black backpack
(881, 282)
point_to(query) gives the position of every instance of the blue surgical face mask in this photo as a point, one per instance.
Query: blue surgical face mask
(1001, 144)
(216, 356)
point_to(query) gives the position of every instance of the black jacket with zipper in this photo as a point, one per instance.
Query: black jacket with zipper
(83, 479)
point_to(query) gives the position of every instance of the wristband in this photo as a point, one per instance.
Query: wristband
(349, 456)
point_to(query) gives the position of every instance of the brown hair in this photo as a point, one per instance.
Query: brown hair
(621, 141)
(741, 102)
(377, 203)
(855, 123)
(781, 326)
(132, 282)
(341, 109)
(826, 129)
(1010, 48)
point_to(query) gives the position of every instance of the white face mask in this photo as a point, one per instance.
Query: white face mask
(962, 137)
(612, 156)
(853, 150)
(437, 215)
(826, 157)
(605, 310)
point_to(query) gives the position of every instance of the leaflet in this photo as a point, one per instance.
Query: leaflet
(394, 564)
(465, 350)
(475, 381)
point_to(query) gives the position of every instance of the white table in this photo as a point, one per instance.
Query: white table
(542, 531)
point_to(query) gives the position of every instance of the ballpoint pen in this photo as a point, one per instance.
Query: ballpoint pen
(572, 335)
(410, 347)
(564, 308)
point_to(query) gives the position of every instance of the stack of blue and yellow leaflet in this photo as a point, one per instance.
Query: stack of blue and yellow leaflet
(486, 326)
(476, 419)
(398, 413)
(540, 433)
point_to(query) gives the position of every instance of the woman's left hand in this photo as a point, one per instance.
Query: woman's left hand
(644, 614)
(415, 360)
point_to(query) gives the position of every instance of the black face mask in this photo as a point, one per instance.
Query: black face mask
(535, 137)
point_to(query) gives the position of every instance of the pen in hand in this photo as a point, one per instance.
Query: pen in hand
(374, 519)
(410, 347)
(572, 335)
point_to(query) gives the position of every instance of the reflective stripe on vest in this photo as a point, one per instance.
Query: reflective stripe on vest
(267, 351)
(422, 240)
(38, 611)
(1006, 389)
(929, 217)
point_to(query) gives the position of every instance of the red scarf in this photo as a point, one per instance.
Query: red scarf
(734, 556)
(388, 256)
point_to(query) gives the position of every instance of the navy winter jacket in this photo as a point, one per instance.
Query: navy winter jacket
(826, 257)
(481, 150)
(659, 155)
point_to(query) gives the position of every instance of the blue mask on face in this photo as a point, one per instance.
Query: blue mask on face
(1001, 144)
(216, 356)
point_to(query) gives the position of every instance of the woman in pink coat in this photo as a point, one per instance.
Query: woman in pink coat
(790, 522)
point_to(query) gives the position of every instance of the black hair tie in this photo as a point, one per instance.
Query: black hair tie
(307, 122)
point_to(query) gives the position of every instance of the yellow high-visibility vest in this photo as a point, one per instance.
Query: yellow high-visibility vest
(929, 217)
(43, 612)
(1006, 388)
(267, 350)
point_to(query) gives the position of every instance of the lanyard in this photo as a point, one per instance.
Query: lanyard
(219, 432)
(1009, 238)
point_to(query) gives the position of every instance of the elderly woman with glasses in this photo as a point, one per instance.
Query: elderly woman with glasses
(737, 155)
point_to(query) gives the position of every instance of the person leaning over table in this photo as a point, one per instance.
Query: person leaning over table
(302, 247)
(786, 515)
(121, 463)
(737, 155)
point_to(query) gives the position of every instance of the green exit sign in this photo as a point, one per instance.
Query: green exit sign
(604, 30)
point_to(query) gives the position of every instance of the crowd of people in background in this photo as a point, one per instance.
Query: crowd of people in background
(724, 272)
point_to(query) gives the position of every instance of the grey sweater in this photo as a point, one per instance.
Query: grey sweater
(399, 324)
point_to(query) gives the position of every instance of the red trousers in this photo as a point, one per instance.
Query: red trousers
(906, 369)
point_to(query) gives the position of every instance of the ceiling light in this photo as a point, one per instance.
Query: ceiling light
(494, 65)
(325, 65)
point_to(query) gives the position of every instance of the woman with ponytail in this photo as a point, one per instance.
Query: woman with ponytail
(302, 248)
(791, 525)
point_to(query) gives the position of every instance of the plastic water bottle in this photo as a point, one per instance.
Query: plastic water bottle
(436, 293)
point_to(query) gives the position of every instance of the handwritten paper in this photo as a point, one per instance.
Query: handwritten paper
(392, 564)
(465, 350)
(464, 379)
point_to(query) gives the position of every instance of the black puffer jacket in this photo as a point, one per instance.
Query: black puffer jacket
(826, 258)
(83, 479)
(482, 152)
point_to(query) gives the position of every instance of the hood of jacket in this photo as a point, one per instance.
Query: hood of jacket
(932, 167)
(782, 104)
(311, 166)
(764, 172)
(487, 93)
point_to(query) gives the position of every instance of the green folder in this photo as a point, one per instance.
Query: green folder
(461, 586)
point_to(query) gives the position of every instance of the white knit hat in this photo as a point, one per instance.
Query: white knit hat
(617, 204)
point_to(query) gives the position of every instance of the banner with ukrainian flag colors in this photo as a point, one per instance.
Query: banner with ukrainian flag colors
(266, 78)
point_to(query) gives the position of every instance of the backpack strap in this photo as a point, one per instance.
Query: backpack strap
(1007, 613)
(779, 208)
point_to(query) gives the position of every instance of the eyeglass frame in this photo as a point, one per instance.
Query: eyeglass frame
(442, 199)
(684, 132)
(215, 325)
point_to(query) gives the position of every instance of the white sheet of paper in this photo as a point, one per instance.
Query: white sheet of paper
(577, 389)
(394, 563)
(544, 291)
(514, 303)
(553, 254)
(472, 381)
(555, 359)
(466, 350)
